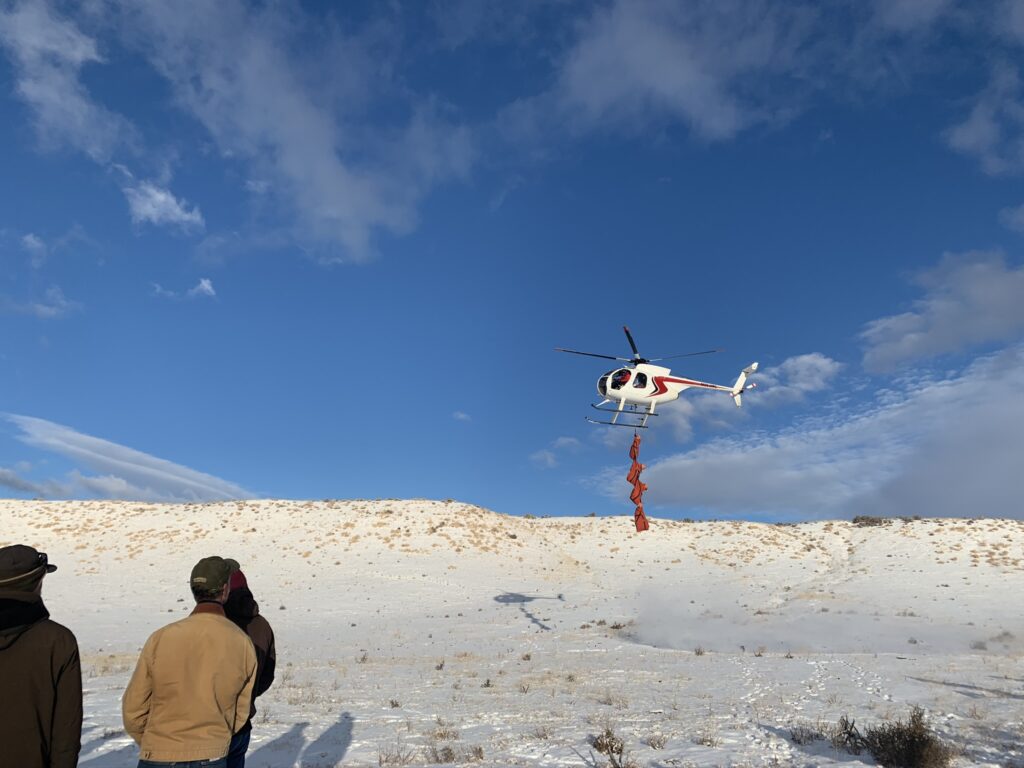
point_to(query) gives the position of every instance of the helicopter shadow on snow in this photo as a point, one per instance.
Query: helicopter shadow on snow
(517, 598)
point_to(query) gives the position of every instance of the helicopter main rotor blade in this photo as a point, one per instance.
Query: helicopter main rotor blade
(685, 354)
(636, 352)
(593, 354)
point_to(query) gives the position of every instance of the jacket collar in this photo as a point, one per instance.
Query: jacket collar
(208, 606)
(16, 616)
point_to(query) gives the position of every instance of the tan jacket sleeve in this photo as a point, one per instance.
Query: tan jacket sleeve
(245, 697)
(135, 704)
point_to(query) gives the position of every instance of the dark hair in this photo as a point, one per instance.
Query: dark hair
(202, 593)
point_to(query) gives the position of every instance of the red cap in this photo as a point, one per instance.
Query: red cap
(238, 580)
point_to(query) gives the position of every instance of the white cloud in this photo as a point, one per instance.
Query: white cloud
(1010, 20)
(971, 298)
(789, 382)
(638, 60)
(793, 379)
(49, 53)
(461, 416)
(1012, 218)
(53, 304)
(994, 130)
(548, 458)
(36, 248)
(910, 15)
(566, 444)
(203, 288)
(263, 98)
(544, 458)
(149, 203)
(125, 473)
(939, 446)
(715, 66)
(9, 478)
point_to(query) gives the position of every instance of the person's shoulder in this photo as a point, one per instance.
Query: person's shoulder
(228, 627)
(259, 623)
(57, 633)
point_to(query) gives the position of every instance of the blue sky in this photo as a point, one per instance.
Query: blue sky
(326, 250)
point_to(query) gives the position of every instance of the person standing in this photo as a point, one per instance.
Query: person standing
(192, 688)
(243, 610)
(41, 704)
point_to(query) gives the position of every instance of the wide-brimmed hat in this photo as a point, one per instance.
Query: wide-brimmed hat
(21, 564)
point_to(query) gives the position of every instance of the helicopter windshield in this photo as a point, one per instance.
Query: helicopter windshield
(602, 384)
(620, 378)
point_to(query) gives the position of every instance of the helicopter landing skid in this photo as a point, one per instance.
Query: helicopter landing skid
(631, 411)
(617, 423)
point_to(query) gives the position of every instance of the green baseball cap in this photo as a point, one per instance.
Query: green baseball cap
(232, 564)
(210, 573)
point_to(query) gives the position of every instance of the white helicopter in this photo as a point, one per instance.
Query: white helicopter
(640, 387)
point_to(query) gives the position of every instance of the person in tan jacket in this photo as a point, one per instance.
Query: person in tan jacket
(192, 688)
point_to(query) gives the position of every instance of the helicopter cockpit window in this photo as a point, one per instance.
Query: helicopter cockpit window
(640, 381)
(620, 378)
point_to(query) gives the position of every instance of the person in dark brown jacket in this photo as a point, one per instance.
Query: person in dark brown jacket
(40, 673)
(242, 609)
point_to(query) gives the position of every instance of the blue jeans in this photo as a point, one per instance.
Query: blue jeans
(239, 745)
(218, 763)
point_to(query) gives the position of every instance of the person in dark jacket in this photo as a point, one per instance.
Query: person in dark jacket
(242, 609)
(41, 703)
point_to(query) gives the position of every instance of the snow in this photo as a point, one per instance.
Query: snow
(432, 631)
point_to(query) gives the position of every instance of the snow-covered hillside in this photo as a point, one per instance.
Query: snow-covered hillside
(413, 632)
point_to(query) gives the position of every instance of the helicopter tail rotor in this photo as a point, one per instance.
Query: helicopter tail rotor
(741, 384)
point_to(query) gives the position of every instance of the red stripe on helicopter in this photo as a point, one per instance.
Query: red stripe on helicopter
(661, 389)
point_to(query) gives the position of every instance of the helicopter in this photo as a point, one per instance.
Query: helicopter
(639, 387)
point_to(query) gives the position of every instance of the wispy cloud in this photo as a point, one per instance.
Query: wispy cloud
(49, 53)
(548, 458)
(788, 382)
(544, 458)
(635, 62)
(53, 304)
(124, 473)
(203, 289)
(152, 204)
(36, 248)
(239, 72)
(993, 132)
(929, 446)
(717, 67)
(910, 15)
(9, 478)
(461, 416)
(1012, 218)
(971, 298)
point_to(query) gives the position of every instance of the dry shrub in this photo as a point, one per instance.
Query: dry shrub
(612, 747)
(395, 755)
(869, 521)
(657, 741)
(908, 745)
(897, 744)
